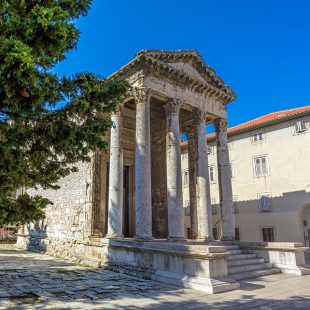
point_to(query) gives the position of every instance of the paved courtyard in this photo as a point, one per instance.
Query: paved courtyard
(37, 281)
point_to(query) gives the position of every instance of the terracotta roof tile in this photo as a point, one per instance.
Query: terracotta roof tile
(264, 121)
(271, 117)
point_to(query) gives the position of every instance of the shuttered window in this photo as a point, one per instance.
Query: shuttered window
(268, 234)
(213, 206)
(235, 205)
(265, 202)
(261, 166)
(211, 173)
(210, 149)
(185, 178)
(300, 126)
(257, 137)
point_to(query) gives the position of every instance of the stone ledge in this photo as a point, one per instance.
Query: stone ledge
(271, 246)
(211, 286)
(205, 252)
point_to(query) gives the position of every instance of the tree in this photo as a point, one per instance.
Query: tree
(40, 143)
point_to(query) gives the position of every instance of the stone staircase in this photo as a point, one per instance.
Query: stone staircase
(243, 265)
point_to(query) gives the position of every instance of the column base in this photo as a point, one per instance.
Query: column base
(143, 238)
(113, 236)
(176, 239)
(205, 239)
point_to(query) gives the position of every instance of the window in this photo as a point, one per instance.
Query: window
(187, 207)
(300, 126)
(213, 207)
(232, 172)
(237, 233)
(210, 149)
(211, 173)
(257, 137)
(265, 202)
(185, 156)
(215, 233)
(185, 178)
(235, 205)
(261, 166)
(268, 234)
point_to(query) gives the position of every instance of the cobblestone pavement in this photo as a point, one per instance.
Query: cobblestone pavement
(37, 281)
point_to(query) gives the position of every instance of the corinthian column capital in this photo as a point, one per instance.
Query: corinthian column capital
(172, 106)
(189, 131)
(200, 116)
(220, 124)
(142, 94)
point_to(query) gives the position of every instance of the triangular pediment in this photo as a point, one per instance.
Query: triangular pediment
(185, 66)
(187, 61)
(187, 69)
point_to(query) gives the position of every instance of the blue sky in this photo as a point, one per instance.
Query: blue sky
(261, 48)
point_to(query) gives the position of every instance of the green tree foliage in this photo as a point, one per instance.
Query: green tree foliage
(40, 143)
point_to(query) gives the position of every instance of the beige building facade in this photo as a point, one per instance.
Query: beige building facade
(270, 167)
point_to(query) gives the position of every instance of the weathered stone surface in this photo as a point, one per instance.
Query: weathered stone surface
(143, 165)
(174, 172)
(36, 281)
(115, 204)
(225, 187)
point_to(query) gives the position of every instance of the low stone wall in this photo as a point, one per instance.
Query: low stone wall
(289, 257)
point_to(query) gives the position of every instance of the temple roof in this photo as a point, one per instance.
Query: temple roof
(186, 65)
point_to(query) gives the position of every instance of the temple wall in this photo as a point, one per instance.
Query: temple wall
(69, 218)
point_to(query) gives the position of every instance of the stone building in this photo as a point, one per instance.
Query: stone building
(270, 162)
(125, 208)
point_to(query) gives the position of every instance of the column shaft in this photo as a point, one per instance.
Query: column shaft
(143, 203)
(204, 212)
(192, 169)
(174, 173)
(115, 204)
(224, 177)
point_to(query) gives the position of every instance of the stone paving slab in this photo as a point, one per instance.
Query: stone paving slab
(37, 281)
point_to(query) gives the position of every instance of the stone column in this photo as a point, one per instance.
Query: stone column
(174, 173)
(224, 177)
(204, 212)
(143, 204)
(192, 169)
(115, 204)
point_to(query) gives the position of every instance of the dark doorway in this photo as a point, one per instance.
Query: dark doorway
(126, 202)
(107, 198)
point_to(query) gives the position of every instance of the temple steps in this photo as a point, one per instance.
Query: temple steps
(249, 267)
(241, 257)
(244, 265)
(254, 274)
(235, 251)
(245, 262)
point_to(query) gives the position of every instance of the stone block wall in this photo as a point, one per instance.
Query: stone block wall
(69, 219)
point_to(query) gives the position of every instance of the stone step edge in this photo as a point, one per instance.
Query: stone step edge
(265, 266)
(245, 262)
(254, 274)
(241, 256)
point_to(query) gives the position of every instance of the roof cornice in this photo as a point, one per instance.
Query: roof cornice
(224, 94)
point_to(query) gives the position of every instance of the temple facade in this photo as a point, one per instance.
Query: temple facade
(173, 93)
(125, 209)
